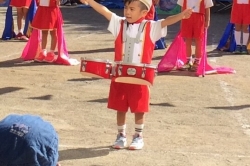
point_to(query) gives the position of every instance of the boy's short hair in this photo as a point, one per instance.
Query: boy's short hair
(145, 4)
(27, 140)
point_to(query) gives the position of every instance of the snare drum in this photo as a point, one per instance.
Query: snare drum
(96, 68)
(132, 73)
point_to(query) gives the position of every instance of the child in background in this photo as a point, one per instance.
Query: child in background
(151, 12)
(22, 7)
(193, 29)
(45, 19)
(134, 43)
(240, 16)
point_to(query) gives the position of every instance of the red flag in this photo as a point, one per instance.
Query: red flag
(204, 68)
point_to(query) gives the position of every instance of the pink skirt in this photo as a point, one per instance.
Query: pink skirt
(46, 18)
(20, 3)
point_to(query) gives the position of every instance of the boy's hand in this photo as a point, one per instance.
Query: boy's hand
(186, 13)
(86, 2)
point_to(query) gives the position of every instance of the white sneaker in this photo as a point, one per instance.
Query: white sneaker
(120, 142)
(137, 143)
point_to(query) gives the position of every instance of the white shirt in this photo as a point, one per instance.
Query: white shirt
(156, 32)
(195, 4)
(243, 2)
(44, 2)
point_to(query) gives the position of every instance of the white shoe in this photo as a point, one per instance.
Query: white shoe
(120, 142)
(137, 143)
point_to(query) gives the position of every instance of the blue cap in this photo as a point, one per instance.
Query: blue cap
(27, 140)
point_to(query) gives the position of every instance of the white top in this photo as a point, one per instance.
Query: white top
(243, 2)
(156, 32)
(195, 4)
(44, 3)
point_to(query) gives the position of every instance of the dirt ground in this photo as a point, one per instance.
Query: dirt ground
(193, 121)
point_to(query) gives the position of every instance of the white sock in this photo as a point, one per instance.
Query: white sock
(245, 37)
(20, 31)
(122, 129)
(237, 35)
(139, 128)
(44, 51)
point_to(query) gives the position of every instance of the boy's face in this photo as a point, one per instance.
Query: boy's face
(133, 11)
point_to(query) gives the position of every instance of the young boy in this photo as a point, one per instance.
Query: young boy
(193, 29)
(27, 140)
(240, 16)
(129, 49)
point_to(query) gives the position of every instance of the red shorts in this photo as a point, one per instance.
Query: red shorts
(46, 18)
(20, 3)
(193, 27)
(123, 96)
(240, 14)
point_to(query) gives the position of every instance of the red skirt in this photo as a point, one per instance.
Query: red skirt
(46, 18)
(20, 3)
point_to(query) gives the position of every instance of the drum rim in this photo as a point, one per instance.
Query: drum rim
(96, 60)
(136, 64)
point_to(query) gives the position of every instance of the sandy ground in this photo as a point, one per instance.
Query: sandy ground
(192, 121)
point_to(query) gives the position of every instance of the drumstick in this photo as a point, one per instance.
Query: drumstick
(196, 4)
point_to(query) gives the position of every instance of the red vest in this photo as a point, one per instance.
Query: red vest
(201, 5)
(148, 45)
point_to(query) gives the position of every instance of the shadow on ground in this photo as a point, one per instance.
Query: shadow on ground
(6, 90)
(83, 153)
(233, 108)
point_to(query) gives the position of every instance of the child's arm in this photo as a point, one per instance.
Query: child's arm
(99, 8)
(207, 17)
(175, 18)
(58, 2)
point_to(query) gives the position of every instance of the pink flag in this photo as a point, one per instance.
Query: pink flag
(33, 46)
(175, 55)
(204, 68)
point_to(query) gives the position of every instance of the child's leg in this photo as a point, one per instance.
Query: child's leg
(19, 19)
(198, 54)
(188, 63)
(21, 14)
(237, 35)
(245, 37)
(198, 51)
(24, 11)
(139, 123)
(43, 53)
(137, 142)
(188, 42)
(53, 35)
(44, 39)
(51, 55)
(121, 141)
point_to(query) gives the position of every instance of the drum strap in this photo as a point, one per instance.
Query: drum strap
(140, 30)
(130, 42)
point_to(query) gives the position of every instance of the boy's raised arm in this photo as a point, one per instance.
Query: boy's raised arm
(175, 18)
(99, 8)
